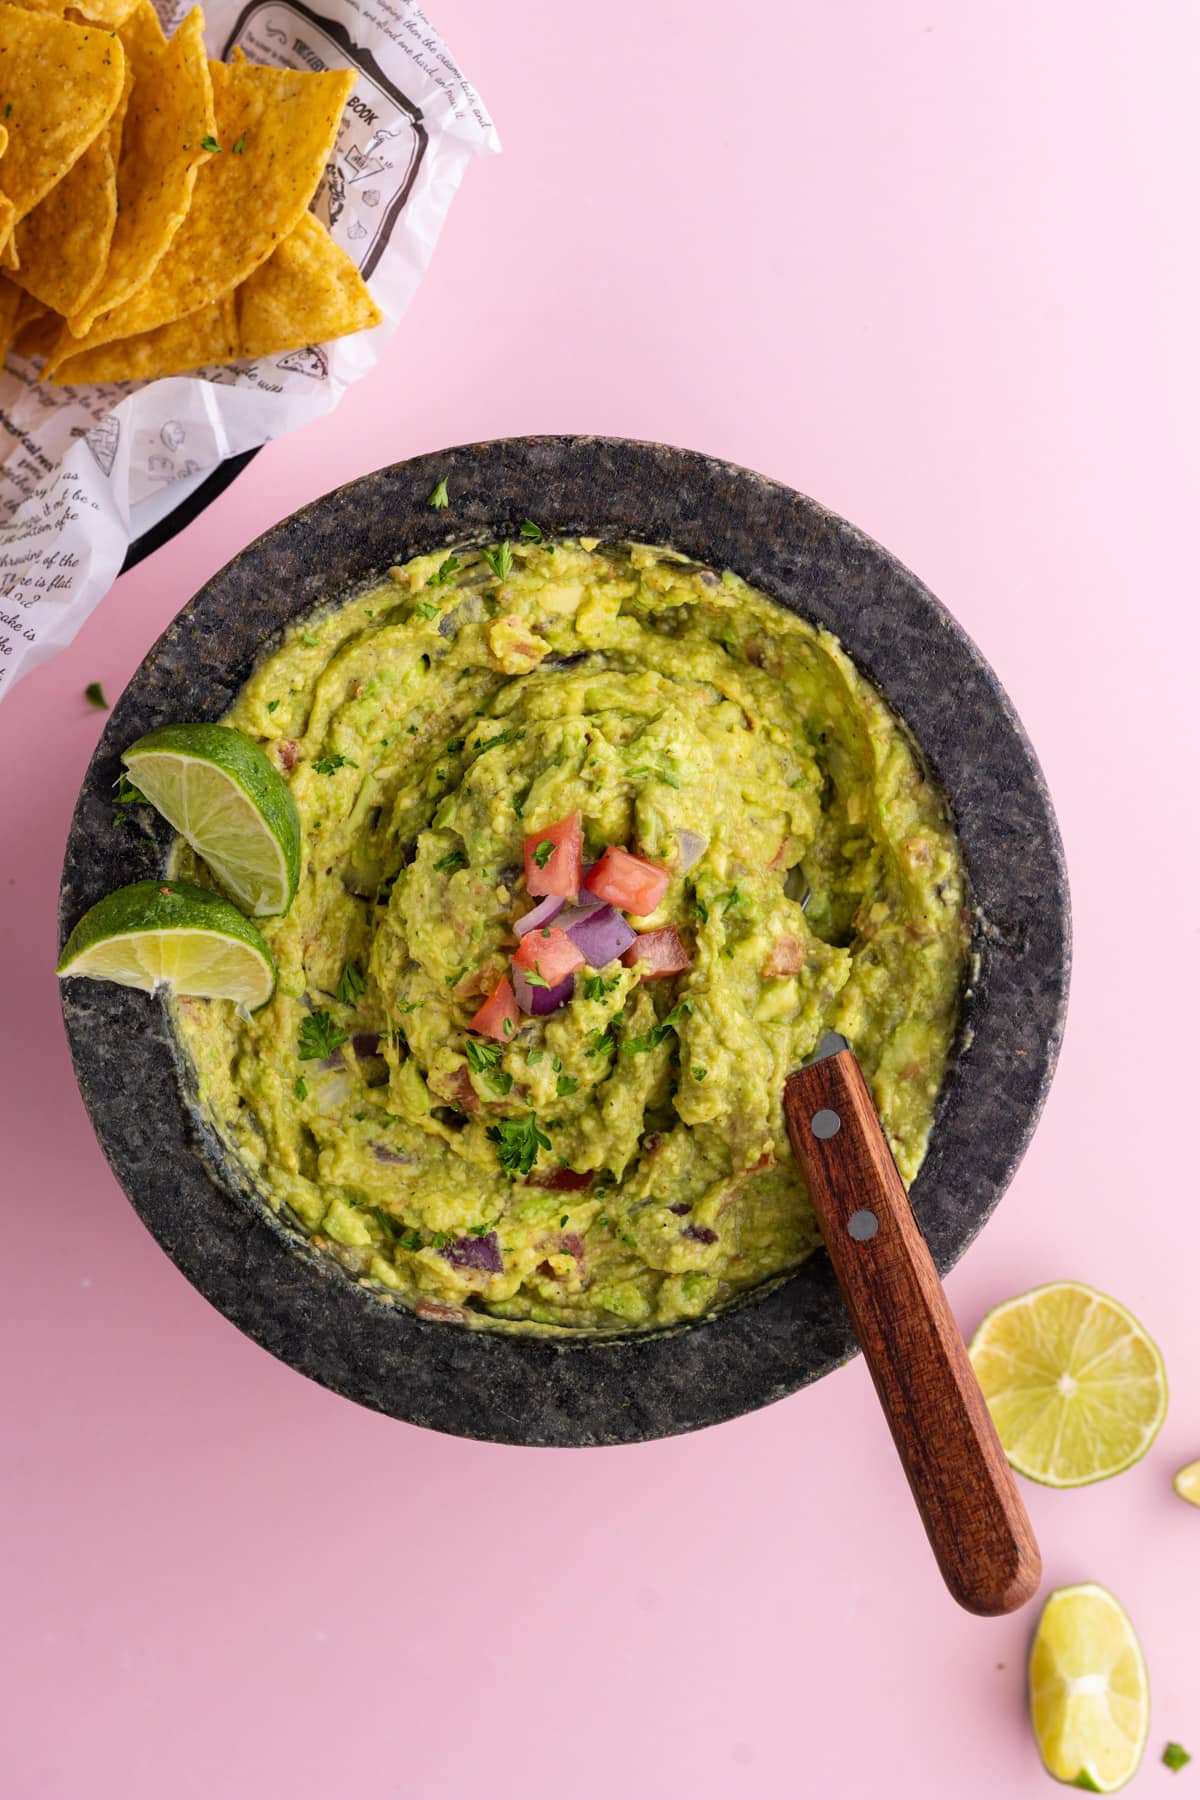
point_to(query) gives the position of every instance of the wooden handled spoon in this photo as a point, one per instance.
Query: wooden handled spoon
(962, 1484)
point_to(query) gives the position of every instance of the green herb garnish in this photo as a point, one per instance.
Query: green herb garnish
(698, 1074)
(425, 609)
(646, 773)
(352, 986)
(532, 534)
(455, 745)
(93, 693)
(272, 705)
(499, 560)
(567, 1084)
(534, 1056)
(483, 1056)
(518, 1142)
(596, 986)
(1175, 1756)
(698, 905)
(511, 736)
(211, 145)
(440, 496)
(240, 145)
(301, 1088)
(444, 572)
(651, 1039)
(446, 865)
(320, 1036)
(329, 764)
(535, 978)
(544, 852)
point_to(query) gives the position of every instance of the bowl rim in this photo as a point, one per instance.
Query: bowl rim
(505, 1386)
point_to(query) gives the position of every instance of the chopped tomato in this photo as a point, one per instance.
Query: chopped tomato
(562, 1181)
(498, 1016)
(556, 869)
(785, 957)
(550, 954)
(630, 882)
(664, 951)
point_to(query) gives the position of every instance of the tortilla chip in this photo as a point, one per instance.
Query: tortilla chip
(170, 114)
(10, 312)
(209, 335)
(8, 218)
(276, 129)
(306, 293)
(109, 13)
(59, 85)
(63, 243)
(37, 329)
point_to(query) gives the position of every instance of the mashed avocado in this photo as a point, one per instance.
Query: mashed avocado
(621, 1162)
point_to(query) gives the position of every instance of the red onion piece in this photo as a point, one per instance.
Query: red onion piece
(541, 1000)
(601, 934)
(691, 848)
(542, 914)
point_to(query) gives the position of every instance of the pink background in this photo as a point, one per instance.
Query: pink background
(934, 262)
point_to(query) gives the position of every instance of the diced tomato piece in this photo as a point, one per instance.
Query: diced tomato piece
(498, 1016)
(558, 870)
(550, 953)
(785, 957)
(664, 951)
(630, 882)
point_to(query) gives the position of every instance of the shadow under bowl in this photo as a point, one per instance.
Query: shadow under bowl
(515, 1388)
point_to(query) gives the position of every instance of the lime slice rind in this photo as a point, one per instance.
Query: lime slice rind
(1075, 1385)
(1089, 1695)
(175, 938)
(221, 793)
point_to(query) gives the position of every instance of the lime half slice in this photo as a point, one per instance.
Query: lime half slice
(232, 805)
(1076, 1387)
(171, 936)
(1089, 1698)
(1187, 1483)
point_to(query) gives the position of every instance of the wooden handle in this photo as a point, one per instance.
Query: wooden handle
(964, 1488)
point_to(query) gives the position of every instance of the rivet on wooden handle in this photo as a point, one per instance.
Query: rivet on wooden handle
(962, 1484)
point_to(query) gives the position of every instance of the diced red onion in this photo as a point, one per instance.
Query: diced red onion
(601, 934)
(691, 848)
(541, 1000)
(366, 1043)
(547, 909)
(476, 1253)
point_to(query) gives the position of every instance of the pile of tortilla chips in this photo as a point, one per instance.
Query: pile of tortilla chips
(153, 204)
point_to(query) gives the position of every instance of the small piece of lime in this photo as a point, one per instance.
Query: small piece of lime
(1089, 1698)
(171, 936)
(1075, 1386)
(232, 805)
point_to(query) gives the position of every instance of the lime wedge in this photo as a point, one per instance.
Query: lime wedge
(1089, 1699)
(1075, 1386)
(1187, 1483)
(172, 936)
(232, 805)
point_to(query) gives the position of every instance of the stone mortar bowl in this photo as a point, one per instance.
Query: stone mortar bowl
(297, 1302)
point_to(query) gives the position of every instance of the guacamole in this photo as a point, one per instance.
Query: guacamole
(602, 1149)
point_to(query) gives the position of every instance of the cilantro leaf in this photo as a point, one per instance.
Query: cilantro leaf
(326, 765)
(544, 852)
(596, 986)
(444, 572)
(567, 1084)
(511, 736)
(319, 1036)
(93, 693)
(211, 145)
(425, 609)
(483, 1056)
(532, 534)
(1175, 1757)
(240, 145)
(446, 865)
(499, 560)
(352, 986)
(440, 496)
(651, 1039)
(518, 1142)
(301, 1088)
(535, 978)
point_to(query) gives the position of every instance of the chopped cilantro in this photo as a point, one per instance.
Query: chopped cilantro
(127, 794)
(544, 852)
(93, 693)
(455, 745)
(626, 1238)
(733, 898)
(410, 1239)
(698, 1074)
(532, 534)
(272, 705)
(563, 1220)
(534, 1056)
(478, 1230)
(499, 560)
(483, 1056)
(301, 1088)
(567, 1084)
(596, 986)
(698, 905)
(311, 638)
(240, 145)
(407, 1006)
(646, 773)
(505, 737)
(352, 986)
(1175, 1756)
(446, 865)
(211, 145)
(518, 1142)
(444, 572)
(426, 609)
(535, 978)
(440, 1239)
(603, 1042)
(326, 765)
(651, 1039)
(500, 1079)
(440, 496)
(319, 1036)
